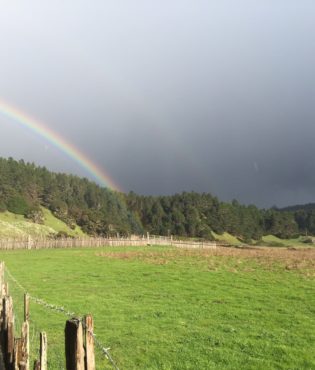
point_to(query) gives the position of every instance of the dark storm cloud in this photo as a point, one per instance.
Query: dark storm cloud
(168, 96)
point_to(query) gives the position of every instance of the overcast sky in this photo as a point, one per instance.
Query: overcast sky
(215, 96)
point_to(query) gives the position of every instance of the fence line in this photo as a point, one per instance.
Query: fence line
(47, 243)
(65, 312)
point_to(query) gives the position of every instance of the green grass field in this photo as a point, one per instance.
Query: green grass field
(164, 308)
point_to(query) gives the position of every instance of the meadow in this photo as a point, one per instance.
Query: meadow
(165, 308)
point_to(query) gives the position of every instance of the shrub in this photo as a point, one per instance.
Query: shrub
(19, 205)
(307, 240)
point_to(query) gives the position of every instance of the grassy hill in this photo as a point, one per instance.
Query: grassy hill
(17, 226)
(271, 240)
(226, 237)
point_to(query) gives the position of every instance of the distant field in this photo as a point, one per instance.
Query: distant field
(164, 308)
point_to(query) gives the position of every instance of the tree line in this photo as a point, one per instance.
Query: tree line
(25, 187)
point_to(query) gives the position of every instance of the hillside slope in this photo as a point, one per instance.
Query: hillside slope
(17, 226)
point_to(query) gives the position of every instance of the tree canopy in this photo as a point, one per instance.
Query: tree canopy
(24, 187)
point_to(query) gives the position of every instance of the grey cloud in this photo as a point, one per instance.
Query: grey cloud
(168, 96)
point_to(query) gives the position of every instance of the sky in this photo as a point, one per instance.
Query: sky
(167, 96)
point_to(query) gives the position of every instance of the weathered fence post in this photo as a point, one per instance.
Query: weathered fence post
(89, 342)
(26, 307)
(74, 345)
(8, 330)
(25, 347)
(43, 351)
(10, 335)
(1, 273)
(4, 289)
(29, 242)
(17, 353)
(24, 362)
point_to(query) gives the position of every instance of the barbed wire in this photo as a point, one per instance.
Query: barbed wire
(61, 309)
(52, 307)
(100, 345)
(14, 279)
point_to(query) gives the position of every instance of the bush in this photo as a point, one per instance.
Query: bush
(18, 205)
(62, 234)
(3, 206)
(36, 215)
(307, 240)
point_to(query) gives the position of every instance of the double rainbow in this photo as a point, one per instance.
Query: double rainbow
(59, 142)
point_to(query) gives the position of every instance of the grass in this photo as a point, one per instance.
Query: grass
(53, 222)
(165, 308)
(271, 239)
(226, 237)
(17, 226)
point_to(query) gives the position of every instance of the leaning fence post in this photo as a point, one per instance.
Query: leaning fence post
(74, 345)
(89, 342)
(43, 351)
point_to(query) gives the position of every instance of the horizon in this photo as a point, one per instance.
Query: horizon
(160, 195)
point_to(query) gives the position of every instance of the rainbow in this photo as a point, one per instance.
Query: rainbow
(59, 142)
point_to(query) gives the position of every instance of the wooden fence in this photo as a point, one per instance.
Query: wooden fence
(79, 338)
(101, 242)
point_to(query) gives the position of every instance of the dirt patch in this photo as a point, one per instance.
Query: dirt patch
(289, 259)
(159, 258)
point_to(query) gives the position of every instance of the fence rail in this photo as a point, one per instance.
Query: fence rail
(7, 244)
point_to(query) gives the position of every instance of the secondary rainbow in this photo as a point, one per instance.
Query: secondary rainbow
(59, 142)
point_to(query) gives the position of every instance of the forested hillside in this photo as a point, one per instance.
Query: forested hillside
(193, 214)
(25, 187)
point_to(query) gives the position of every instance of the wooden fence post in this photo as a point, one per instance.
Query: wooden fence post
(17, 353)
(10, 335)
(8, 330)
(43, 351)
(1, 273)
(4, 289)
(25, 348)
(1, 296)
(89, 342)
(74, 345)
(26, 307)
